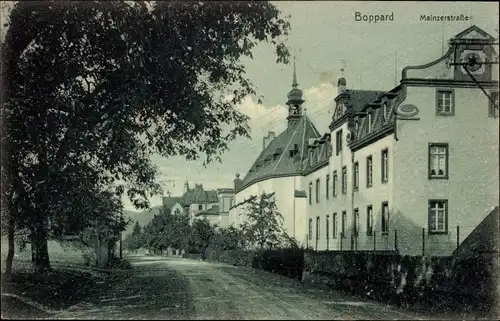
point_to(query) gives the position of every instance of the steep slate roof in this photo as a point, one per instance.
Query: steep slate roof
(275, 158)
(192, 196)
(199, 195)
(359, 98)
(214, 210)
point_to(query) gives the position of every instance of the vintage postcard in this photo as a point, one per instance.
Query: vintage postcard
(283, 160)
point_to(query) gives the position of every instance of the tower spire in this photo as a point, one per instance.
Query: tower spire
(294, 82)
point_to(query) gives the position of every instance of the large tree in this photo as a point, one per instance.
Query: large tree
(263, 224)
(93, 88)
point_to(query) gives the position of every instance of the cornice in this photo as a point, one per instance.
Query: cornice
(367, 140)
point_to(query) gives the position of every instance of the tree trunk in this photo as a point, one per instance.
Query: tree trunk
(10, 254)
(39, 241)
(33, 248)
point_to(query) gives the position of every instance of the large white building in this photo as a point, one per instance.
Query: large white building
(415, 168)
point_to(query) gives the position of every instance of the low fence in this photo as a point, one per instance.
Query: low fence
(409, 241)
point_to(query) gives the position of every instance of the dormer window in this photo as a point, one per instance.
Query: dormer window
(356, 126)
(384, 112)
(369, 119)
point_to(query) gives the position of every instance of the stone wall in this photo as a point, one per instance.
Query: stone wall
(404, 279)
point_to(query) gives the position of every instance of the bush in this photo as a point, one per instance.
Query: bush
(288, 262)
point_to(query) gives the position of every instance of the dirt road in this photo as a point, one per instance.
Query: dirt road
(162, 288)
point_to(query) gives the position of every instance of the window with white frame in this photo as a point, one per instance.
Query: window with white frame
(338, 142)
(369, 119)
(356, 221)
(356, 176)
(385, 218)
(369, 171)
(317, 190)
(344, 224)
(384, 112)
(327, 226)
(493, 109)
(344, 180)
(369, 220)
(318, 230)
(438, 216)
(327, 186)
(385, 165)
(438, 160)
(310, 229)
(334, 183)
(334, 226)
(444, 102)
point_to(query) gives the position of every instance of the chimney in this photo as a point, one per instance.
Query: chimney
(267, 140)
(237, 182)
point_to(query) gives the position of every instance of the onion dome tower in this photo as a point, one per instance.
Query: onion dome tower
(295, 100)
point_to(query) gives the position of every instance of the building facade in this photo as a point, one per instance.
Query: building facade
(199, 203)
(413, 169)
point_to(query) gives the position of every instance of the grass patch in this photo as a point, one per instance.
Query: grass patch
(56, 290)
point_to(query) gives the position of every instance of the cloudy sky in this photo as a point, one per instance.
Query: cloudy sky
(323, 34)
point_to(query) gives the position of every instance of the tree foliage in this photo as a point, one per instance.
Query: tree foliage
(134, 241)
(263, 224)
(93, 88)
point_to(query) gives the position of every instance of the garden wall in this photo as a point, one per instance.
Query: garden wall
(287, 262)
(404, 279)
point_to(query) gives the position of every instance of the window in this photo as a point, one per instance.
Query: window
(338, 141)
(438, 216)
(344, 224)
(356, 126)
(327, 186)
(385, 218)
(369, 119)
(385, 166)
(317, 228)
(344, 180)
(334, 185)
(317, 190)
(438, 161)
(327, 227)
(310, 192)
(356, 221)
(369, 220)
(200, 207)
(334, 231)
(493, 109)
(356, 176)
(310, 229)
(384, 112)
(369, 171)
(445, 102)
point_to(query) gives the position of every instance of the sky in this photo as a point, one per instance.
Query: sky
(322, 35)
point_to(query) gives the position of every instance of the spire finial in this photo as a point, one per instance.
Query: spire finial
(294, 83)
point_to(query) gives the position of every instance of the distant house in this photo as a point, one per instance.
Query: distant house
(197, 203)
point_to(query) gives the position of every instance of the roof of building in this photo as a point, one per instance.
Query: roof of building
(275, 159)
(358, 99)
(195, 195)
(214, 210)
